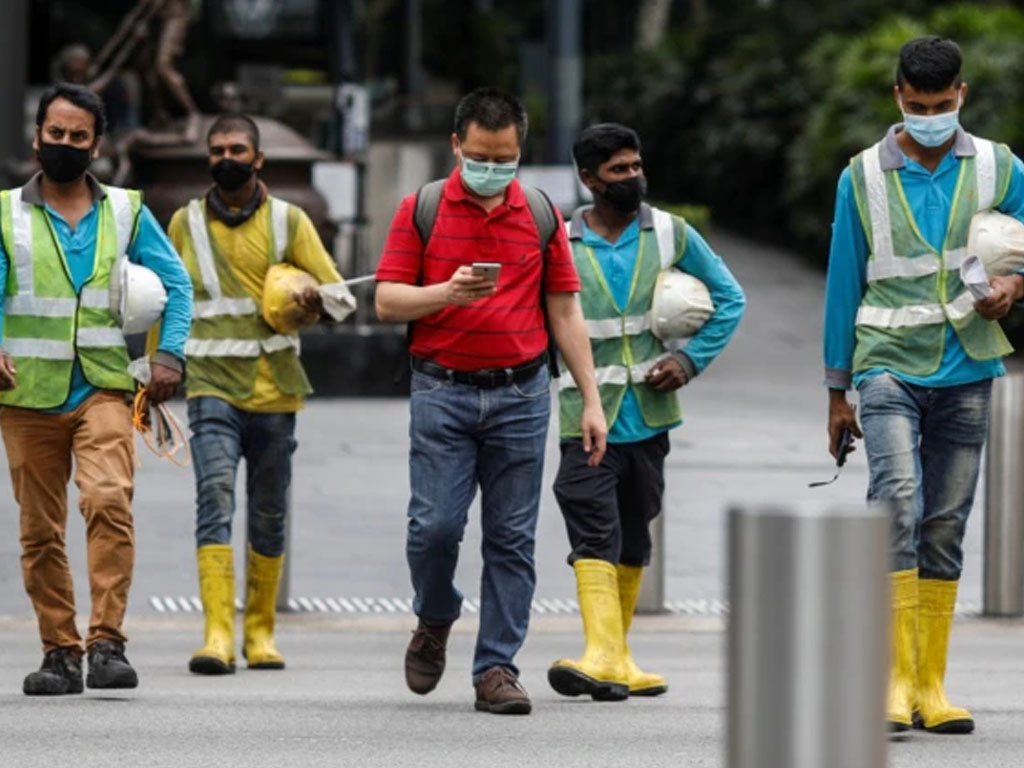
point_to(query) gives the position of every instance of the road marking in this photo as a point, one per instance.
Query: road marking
(705, 607)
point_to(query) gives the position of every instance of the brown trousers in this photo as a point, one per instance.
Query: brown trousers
(40, 447)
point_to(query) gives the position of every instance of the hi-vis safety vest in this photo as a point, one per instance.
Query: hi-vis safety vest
(623, 346)
(47, 324)
(913, 290)
(228, 333)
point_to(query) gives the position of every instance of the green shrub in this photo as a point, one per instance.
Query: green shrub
(850, 81)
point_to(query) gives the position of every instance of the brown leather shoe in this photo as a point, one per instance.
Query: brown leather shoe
(425, 656)
(501, 693)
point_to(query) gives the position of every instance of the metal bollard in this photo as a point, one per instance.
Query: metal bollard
(807, 640)
(1003, 590)
(652, 589)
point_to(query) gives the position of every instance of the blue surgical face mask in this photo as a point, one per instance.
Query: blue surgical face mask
(932, 130)
(487, 179)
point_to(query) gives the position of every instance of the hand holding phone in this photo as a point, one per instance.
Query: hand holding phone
(487, 269)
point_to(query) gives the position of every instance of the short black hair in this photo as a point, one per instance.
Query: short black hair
(78, 95)
(236, 121)
(492, 110)
(599, 142)
(929, 64)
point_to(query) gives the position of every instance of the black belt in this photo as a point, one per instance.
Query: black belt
(489, 378)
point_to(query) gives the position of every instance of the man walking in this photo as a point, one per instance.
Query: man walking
(480, 399)
(67, 390)
(245, 384)
(620, 246)
(901, 327)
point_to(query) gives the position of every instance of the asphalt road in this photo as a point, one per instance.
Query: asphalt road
(754, 434)
(342, 702)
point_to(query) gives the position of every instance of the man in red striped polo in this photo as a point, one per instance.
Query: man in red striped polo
(480, 402)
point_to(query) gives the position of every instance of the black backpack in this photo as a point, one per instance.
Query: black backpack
(428, 200)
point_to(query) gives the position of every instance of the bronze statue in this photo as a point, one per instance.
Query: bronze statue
(172, 16)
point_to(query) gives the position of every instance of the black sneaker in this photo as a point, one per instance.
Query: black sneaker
(60, 673)
(108, 667)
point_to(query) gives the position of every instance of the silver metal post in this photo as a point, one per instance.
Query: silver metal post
(807, 638)
(1003, 591)
(652, 589)
(563, 25)
(14, 39)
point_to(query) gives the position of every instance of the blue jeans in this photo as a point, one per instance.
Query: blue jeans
(462, 436)
(924, 451)
(221, 436)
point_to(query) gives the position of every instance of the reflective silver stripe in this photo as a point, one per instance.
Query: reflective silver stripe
(612, 327)
(954, 259)
(224, 306)
(608, 374)
(204, 251)
(100, 337)
(961, 306)
(222, 348)
(878, 210)
(21, 219)
(96, 298)
(639, 371)
(31, 306)
(902, 317)
(985, 168)
(41, 349)
(612, 374)
(279, 220)
(124, 220)
(278, 342)
(665, 232)
(915, 266)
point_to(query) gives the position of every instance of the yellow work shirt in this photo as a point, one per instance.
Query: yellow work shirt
(245, 248)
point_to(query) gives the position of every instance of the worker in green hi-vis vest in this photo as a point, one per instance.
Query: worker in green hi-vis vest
(624, 249)
(903, 329)
(66, 387)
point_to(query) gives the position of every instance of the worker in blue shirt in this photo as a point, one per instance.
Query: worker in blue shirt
(620, 247)
(901, 327)
(64, 382)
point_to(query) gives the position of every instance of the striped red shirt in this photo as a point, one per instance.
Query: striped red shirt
(505, 329)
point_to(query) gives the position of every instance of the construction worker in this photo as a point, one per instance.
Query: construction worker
(620, 246)
(245, 383)
(902, 328)
(66, 388)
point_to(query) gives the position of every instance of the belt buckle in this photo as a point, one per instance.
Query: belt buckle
(510, 377)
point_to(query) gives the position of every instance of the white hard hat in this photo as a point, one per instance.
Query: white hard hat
(137, 297)
(998, 240)
(681, 305)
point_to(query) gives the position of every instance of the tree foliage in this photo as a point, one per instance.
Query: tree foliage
(756, 111)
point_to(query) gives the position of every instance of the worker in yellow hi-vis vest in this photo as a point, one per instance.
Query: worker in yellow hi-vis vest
(245, 380)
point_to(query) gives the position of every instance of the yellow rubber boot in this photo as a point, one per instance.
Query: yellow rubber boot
(900, 696)
(938, 598)
(263, 575)
(601, 671)
(217, 590)
(640, 683)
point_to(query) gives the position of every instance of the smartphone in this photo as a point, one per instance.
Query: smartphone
(488, 269)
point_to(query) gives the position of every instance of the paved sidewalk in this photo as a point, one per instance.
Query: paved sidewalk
(342, 702)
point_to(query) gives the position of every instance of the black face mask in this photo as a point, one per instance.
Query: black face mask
(625, 196)
(231, 175)
(63, 163)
